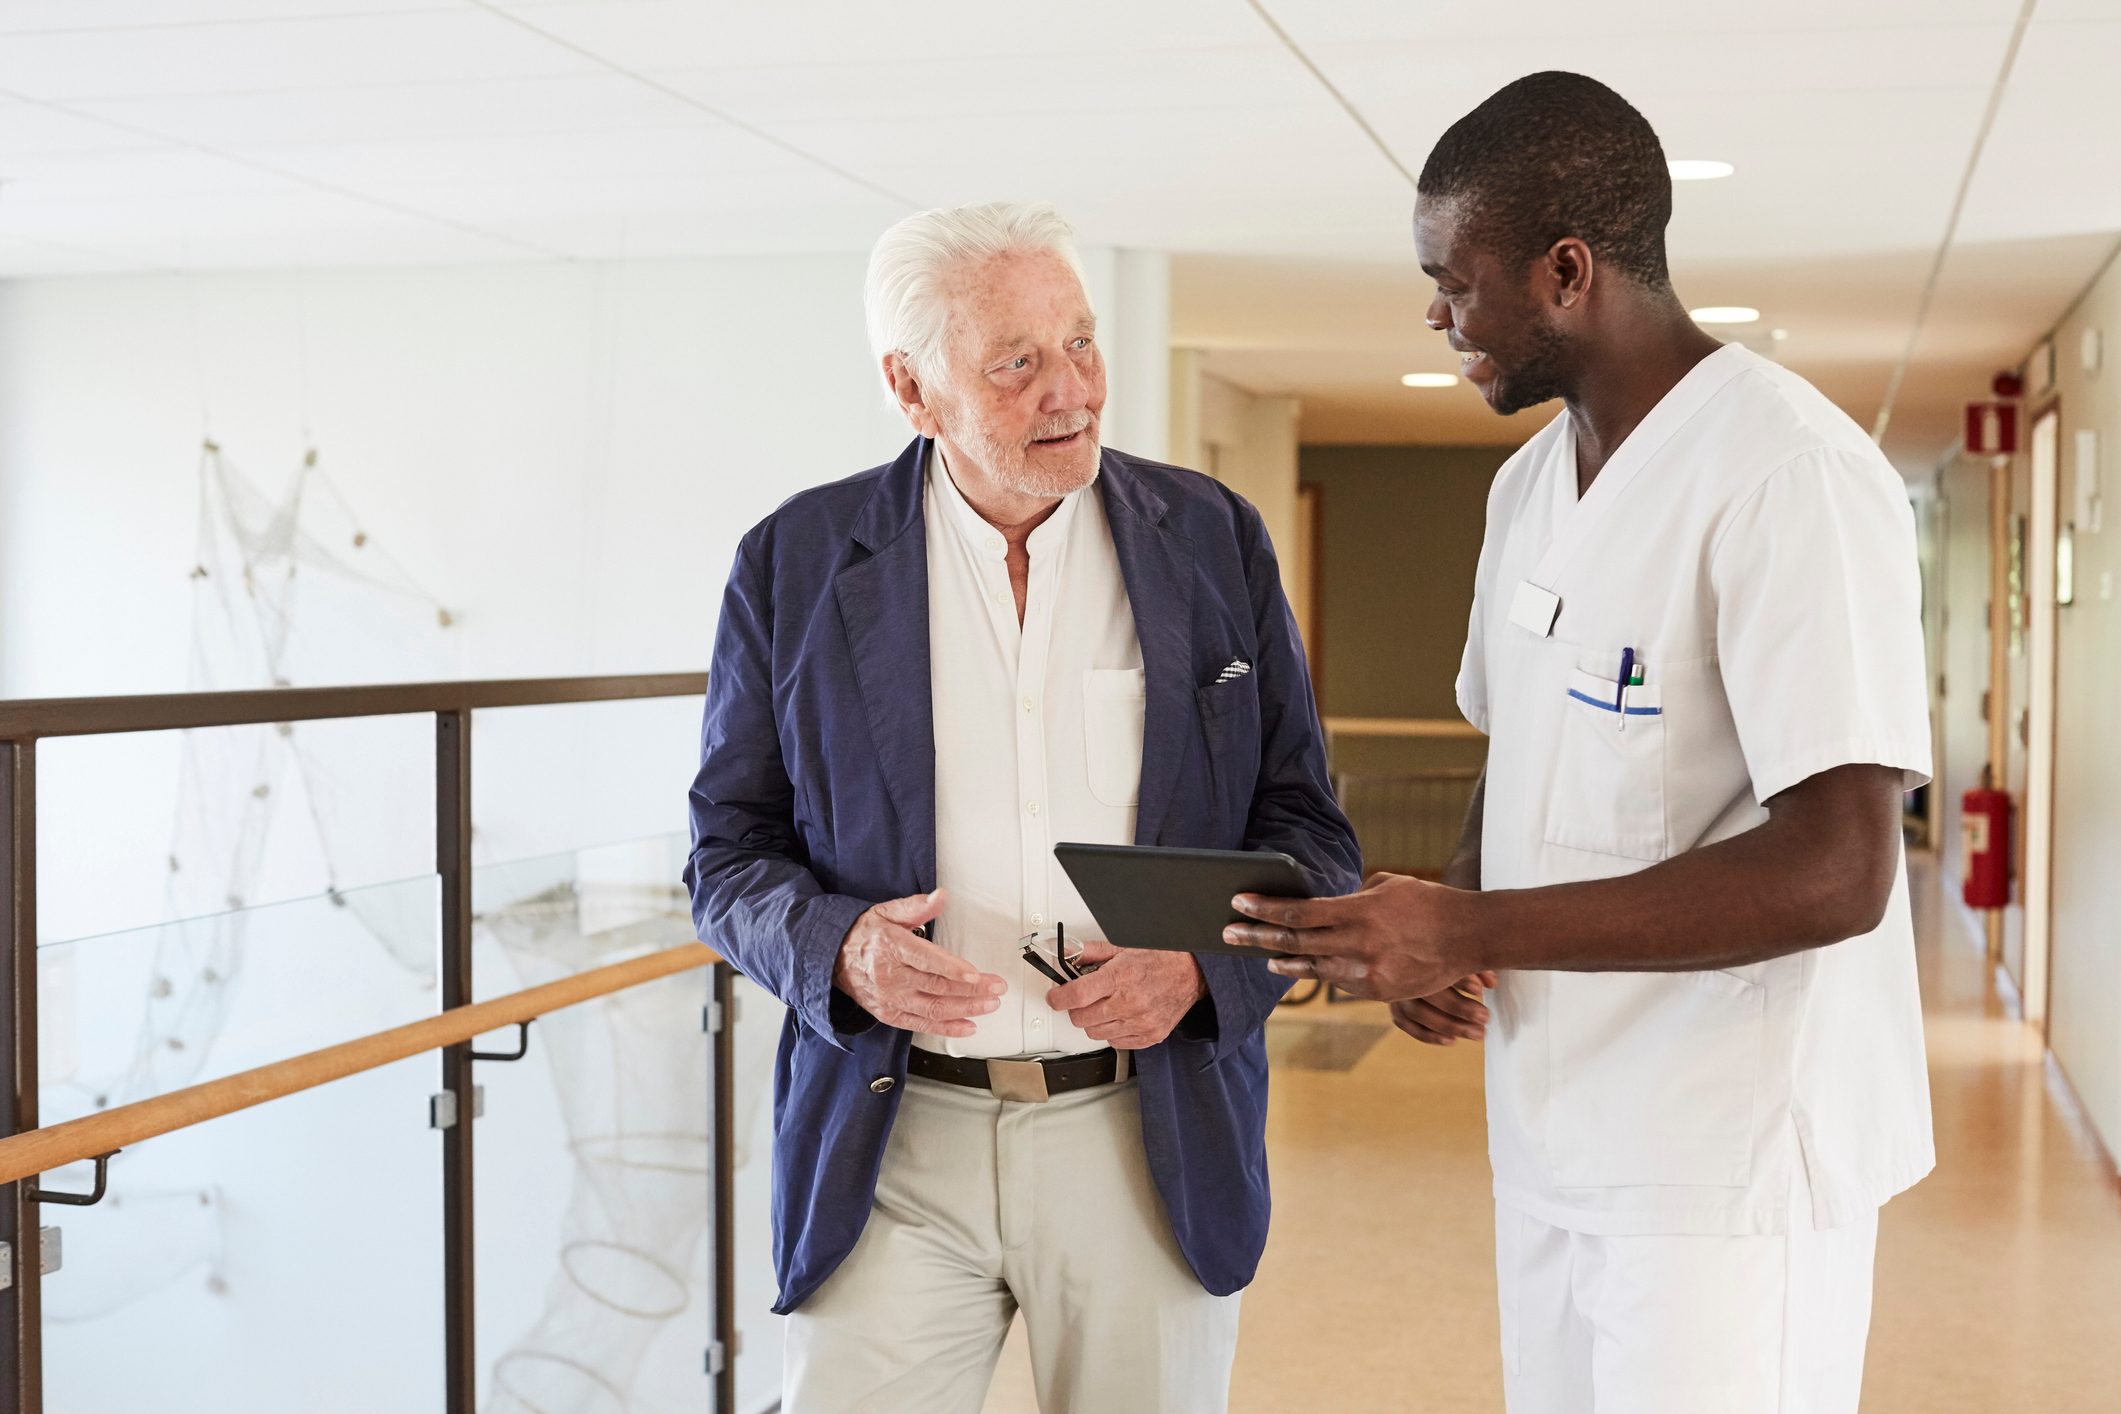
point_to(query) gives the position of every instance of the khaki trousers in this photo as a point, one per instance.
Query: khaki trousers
(985, 1208)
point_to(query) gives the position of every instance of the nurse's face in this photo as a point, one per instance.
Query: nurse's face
(1515, 354)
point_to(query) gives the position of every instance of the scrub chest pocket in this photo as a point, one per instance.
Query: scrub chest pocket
(1608, 790)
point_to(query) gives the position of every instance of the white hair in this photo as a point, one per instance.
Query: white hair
(904, 298)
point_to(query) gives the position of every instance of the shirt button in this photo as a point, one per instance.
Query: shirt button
(1029, 705)
(881, 1085)
(1037, 1021)
(1031, 806)
(1038, 920)
(995, 544)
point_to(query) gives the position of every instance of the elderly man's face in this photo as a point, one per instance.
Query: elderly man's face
(1024, 381)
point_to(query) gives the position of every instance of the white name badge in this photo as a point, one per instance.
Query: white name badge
(1534, 609)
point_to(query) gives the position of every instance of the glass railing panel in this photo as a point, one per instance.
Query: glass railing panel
(539, 919)
(286, 1257)
(757, 1040)
(593, 1169)
(127, 1016)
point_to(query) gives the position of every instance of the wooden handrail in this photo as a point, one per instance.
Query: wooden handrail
(1435, 727)
(42, 1150)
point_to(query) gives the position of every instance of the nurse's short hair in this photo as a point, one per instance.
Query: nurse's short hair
(906, 297)
(1555, 155)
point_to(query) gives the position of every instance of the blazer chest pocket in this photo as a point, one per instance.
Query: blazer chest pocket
(1609, 771)
(1229, 723)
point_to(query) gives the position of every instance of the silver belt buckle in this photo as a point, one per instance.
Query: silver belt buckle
(1023, 1081)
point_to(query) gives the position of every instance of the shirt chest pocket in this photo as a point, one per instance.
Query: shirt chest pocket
(1608, 792)
(1112, 734)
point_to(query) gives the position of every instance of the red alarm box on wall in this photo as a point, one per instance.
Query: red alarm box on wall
(1985, 819)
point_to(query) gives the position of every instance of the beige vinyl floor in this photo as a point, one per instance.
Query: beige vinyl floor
(1999, 1278)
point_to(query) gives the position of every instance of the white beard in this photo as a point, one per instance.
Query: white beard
(1010, 463)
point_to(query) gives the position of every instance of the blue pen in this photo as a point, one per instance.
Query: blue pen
(1620, 689)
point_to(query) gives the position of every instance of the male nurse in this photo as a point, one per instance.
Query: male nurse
(1696, 650)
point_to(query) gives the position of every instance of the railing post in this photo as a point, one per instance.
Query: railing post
(21, 1310)
(725, 1187)
(453, 864)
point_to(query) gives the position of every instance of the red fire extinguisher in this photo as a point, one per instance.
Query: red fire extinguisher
(1985, 817)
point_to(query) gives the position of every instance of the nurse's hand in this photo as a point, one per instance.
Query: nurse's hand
(1443, 1018)
(1397, 940)
(1134, 999)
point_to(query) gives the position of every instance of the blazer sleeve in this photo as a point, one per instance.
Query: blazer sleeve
(754, 898)
(1294, 809)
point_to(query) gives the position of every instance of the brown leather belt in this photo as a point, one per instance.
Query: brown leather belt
(1028, 1081)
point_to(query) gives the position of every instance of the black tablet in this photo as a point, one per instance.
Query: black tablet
(1175, 900)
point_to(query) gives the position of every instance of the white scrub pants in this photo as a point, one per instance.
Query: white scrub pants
(1682, 1324)
(987, 1207)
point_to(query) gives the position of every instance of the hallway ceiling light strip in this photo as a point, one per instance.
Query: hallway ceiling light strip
(288, 174)
(1951, 225)
(1338, 97)
(680, 96)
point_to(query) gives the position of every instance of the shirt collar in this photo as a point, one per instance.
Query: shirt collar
(972, 528)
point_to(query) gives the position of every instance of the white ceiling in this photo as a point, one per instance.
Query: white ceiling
(172, 134)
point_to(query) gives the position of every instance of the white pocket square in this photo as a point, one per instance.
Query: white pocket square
(1237, 669)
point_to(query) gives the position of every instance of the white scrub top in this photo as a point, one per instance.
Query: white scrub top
(1757, 553)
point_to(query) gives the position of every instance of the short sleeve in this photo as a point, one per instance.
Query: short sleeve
(1819, 623)
(1472, 684)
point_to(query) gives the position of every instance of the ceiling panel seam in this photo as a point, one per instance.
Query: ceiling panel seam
(1951, 224)
(680, 96)
(1347, 105)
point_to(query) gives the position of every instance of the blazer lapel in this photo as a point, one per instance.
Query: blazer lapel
(883, 601)
(1157, 564)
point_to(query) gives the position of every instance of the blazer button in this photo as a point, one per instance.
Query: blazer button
(881, 1085)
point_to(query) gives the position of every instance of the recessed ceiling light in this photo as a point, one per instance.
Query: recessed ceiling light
(1726, 314)
(1698, 169)
(1430, 380)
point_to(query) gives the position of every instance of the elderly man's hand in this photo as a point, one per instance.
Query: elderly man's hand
(1398, 939)
(1134, 998)
(903, 980)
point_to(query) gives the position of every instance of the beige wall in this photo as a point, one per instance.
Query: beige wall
(1246, 441)
(2085, 987)
(1400, 536)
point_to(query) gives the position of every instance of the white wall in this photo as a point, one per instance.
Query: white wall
(2084, 1016)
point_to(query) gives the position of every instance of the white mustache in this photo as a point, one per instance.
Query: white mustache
(1061, 427)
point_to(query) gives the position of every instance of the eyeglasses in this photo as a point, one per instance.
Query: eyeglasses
(1061, 966)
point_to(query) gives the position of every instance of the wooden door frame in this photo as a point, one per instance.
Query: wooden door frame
(2043, 655)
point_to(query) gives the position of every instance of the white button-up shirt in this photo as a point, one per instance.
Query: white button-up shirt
(1038, 740)
(1749, 551)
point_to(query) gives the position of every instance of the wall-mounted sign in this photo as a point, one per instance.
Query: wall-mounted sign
(1991, 429)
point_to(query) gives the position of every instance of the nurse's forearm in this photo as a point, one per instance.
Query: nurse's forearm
(1820, 869)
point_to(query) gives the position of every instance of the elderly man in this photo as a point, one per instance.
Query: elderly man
(925, 677)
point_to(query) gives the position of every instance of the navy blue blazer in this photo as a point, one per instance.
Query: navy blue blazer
(815, 799)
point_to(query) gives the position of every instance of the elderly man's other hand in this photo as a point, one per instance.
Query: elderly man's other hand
(903, 980)
(1134, 998)
(1399, 939)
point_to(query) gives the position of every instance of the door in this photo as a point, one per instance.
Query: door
(2038, 730)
